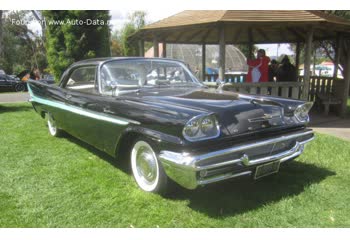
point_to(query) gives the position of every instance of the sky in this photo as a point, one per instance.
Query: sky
(118, 18)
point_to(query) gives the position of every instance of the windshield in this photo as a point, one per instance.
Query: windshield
(136, 73)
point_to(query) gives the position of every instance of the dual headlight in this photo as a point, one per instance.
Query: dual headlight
(201, 127)
(302, 112)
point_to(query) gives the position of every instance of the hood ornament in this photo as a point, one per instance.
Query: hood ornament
(220, 83)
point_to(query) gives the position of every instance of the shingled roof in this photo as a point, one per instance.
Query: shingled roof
(257, 26)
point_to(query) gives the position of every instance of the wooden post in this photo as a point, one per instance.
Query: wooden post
(203, 61)
(297, 59)
(337, 54)
(250, 44)
(141, 48)
(155, 47)
(164, 49)
(222, 53)
(345, 96)
(307, 63)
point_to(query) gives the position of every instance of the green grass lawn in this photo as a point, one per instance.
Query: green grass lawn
(62, 182)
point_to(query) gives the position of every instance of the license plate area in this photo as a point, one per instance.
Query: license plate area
(266, 169)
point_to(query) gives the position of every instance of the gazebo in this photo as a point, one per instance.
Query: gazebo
(235, 60)
(253, 27)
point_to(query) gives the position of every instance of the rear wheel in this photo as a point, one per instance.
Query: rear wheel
(19, 87)
(147, 170)
(53, 129)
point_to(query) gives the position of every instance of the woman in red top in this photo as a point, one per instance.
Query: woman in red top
(259, 68)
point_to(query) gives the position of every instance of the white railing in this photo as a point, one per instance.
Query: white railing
(281, 89)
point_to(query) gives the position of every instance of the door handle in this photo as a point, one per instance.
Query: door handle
(68, 96)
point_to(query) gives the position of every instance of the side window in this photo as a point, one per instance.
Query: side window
(83, 80)
(2, 77)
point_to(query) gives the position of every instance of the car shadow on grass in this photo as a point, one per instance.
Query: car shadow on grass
(121, 165)
(15, 108)
(236, 196)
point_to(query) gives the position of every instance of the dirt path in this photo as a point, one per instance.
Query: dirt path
(14, 97)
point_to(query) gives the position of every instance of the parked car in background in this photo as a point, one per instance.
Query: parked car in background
(48, 78)
(170, 127)
(14, 76)
(8, 83)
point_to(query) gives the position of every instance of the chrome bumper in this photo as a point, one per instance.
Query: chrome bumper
(190, 172)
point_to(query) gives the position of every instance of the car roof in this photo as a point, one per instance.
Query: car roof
(97, 61)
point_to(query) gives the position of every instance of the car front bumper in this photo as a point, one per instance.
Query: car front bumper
(191, 171)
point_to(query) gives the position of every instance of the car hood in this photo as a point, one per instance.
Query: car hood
(236, 113)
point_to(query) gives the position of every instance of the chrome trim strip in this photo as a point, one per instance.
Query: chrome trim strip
(223, 177)
(248, 146)
(281, 155)
(80, 111)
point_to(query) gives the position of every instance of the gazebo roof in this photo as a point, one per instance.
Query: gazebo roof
(256, 26)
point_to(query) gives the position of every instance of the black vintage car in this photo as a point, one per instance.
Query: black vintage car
(8, 83)
(158, 116)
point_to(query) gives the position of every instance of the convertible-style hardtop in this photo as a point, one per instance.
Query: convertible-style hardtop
(98, 61)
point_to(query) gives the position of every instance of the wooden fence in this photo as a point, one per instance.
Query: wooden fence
(237, 82)
(282, 89)
(229, 78)
(323, 85)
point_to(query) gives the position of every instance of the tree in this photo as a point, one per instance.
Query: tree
(21, 47)
(329, 47)
(244, 48)
(116, 47)
(136, 20)
(1, 35)
(75, 35)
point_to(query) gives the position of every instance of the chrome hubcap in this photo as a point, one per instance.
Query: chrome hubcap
(145, 166)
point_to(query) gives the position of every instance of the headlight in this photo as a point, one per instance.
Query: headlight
(201, 127)
(192, 127)
(302, 112)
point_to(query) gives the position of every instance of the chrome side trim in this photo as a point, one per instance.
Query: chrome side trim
(80, 111)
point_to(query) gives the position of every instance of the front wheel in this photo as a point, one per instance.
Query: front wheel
(147, 170)
(53, 129)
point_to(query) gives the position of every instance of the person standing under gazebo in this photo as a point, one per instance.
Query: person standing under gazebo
(258, 68)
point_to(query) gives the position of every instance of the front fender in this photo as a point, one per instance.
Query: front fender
(162, 140)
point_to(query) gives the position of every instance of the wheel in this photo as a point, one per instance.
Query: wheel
(53, 130)
(19, 87)
(146, 169)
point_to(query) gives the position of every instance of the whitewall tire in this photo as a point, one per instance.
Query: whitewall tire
(51, 123)
(146, 169)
